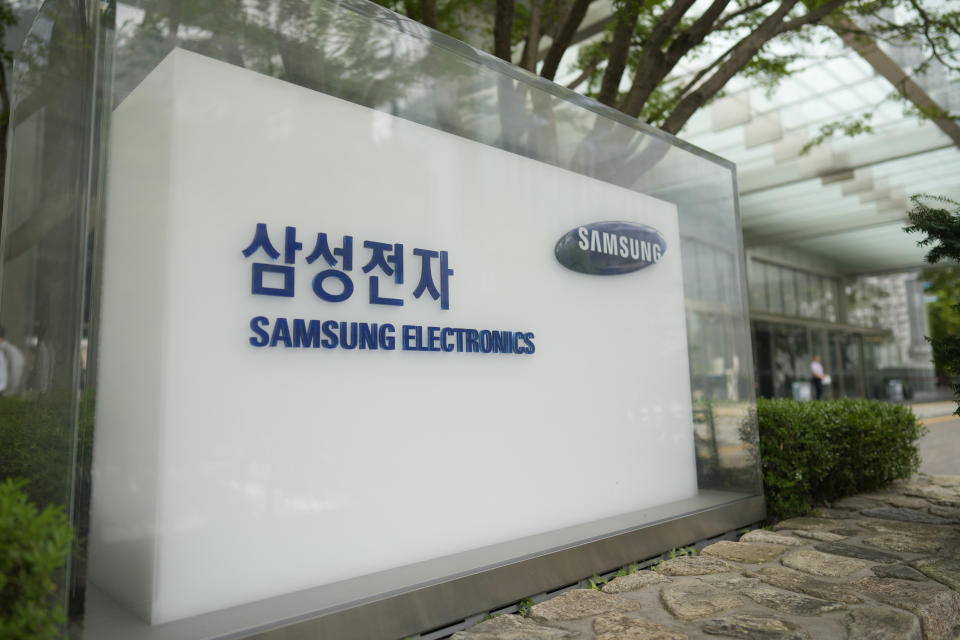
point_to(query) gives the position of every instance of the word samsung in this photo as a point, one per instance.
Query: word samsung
(610, 248)
(333, 282)
(331, 334)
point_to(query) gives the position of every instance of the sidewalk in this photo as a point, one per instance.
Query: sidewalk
(940, 448)
(926, 410)
(879, 566)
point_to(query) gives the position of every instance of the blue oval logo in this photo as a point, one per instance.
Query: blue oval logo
(610, 248)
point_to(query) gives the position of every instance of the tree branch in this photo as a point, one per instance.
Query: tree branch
(699, 75)
(650, 69)
(584, 75)
(812, 16)
(725, 20)
(564, 38)
(744, 51)
(695, 33)
(627, 18)
(681, 46)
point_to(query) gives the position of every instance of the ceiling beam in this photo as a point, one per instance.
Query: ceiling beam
(855, 155)
(867, 47)
(806, 232)
(827, 205)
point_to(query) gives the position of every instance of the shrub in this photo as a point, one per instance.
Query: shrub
(816, 452)
(37, 440)
(942, 229)
(33, 545)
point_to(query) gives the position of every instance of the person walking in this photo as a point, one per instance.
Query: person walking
(816, 371)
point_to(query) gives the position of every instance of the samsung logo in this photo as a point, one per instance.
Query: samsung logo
(610, 248)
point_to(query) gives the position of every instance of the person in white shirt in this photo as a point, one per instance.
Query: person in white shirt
(816, 370)
(11, 366)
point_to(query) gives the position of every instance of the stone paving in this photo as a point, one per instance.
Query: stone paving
(878, 566)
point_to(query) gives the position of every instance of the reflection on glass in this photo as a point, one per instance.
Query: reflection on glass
(45, 308)
(789, 292)
(791, 361)
(763, 349)
(847, 373)
(774, 288)
(830, 300)
(758, 286)
(872, 356)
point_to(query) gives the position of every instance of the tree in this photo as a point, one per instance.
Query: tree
(662, 60)
(942, 229)
(943, 284)
(7, 19)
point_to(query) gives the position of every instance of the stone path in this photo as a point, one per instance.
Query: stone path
(879, 566)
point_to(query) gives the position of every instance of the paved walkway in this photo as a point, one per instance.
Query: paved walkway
(940, 448)
(878, 566)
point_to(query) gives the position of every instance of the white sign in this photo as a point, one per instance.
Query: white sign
(235, 460)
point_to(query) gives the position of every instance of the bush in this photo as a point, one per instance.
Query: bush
(816, 452)
(33, 545)
(942, 229)
(37, 440)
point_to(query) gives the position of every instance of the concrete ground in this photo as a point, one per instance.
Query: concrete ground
(940, 448)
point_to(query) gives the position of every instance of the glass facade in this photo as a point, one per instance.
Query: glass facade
(79, 64)
(798, 314)
(793, 292)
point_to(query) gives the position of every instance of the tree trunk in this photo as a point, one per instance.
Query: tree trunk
(503, 30)
(564, 38)
(176, 11)
(4, 127)
(619, 51)
(531, 48)
(429, 13)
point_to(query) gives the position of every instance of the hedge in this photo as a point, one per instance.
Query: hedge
(33, 546)
(815, 452)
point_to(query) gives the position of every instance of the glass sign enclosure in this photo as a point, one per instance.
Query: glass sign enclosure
(339, 326)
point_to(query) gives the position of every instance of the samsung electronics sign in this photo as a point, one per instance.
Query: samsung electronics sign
(351, 320)
(334, 283)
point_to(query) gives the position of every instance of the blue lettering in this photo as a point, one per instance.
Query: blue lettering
(485, 341)
(262, 338)
(368, 335)
(445, 336)
(420, 345)
(528, 338)
(322, 293)
(330, 340)
(281, 333)
(502, 341)
(387, 340)
(306, 335)
(409, 337)
(350, 343)
(473, 337)
(433, 338)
